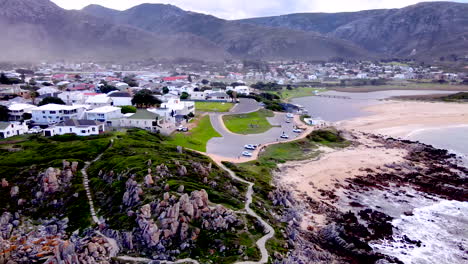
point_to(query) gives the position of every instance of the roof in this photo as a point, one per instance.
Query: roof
(18, 107)
(119, 94)
(52, 107)
(105, 109)
(143, 114)
(79, 123)
(4, 125)
(98, 99)
(175, 78)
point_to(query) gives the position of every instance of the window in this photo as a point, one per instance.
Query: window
(83, 131)
(60, 130)
(94, 129)
(53, 112)
(71, 129)
(43, 112)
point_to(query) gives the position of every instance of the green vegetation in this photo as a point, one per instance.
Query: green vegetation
(260, 172)
(213, 106)
(51, 100)
(458, 97)
(23, 158)
(128, 109)
(287, 94)
(196, 138)
(252, 123)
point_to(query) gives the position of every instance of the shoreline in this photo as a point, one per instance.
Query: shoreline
(377, 189)
(401, 118)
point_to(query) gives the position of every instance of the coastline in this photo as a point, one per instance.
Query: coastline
(378, 181)
(401, 118)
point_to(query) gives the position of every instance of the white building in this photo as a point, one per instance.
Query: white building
(16, 111)
(8, 129)
(107, 114)
(77, 127)
(120, 98)
(143, 119)
(239, 89)
(55, 113)
(179, 107)
(99, 100)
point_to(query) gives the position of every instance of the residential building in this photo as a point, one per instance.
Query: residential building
(120, 98)
(179, 107)
(77, 127)
(99, 100)
(16, 111)
(107, 114)
(55, 113)
(143, 119)
(8, 129)
(218, 96)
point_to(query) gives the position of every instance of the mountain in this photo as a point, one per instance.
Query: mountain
(39, 29)
(240, 40)
(423, 30)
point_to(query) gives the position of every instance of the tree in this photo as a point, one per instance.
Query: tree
(165, 90)
(189, 79)
(33, 96)
(130, 81)
(184, 96)
(4, 79)
(3, 113)
(51, 100)
(107, 88)
(128, 109)
(145, 98)
(27, 116)
(205, 82)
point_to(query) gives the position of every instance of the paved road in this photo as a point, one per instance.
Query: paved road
(231, 145)
(245, 105)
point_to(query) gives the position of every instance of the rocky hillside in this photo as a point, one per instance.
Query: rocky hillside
(425, 30)
(238, 39)
(151, 198)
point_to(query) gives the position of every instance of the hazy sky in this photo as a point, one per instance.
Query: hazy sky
(235, 9)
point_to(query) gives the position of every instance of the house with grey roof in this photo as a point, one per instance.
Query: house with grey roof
(8, 129)
(143, 119)
(77, 127)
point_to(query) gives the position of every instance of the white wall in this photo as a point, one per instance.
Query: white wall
(13, 130)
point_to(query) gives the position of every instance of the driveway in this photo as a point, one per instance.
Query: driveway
(231, 145)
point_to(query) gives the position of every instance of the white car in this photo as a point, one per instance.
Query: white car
(182, 129)
(297, 130)
(290, 115)
(284, 136)
(246, 154)
(250, 147)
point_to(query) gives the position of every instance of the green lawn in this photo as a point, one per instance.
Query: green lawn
(197, 137)
(252, 123)
(286, 94)
(213, 106)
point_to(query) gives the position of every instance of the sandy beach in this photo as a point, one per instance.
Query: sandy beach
(399, 119)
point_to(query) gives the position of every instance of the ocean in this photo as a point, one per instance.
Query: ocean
(440, 225)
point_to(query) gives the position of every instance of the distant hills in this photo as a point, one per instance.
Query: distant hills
(38, 29)
(424, 30)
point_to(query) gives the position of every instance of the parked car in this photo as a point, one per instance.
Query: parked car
(285, 136)
(250, 147)
(288, 120)
(289, 115)
(182, 129)
(246, 154)
(297, 130)
(34, 130)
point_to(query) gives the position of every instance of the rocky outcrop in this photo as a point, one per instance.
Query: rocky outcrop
(132, 193)
(54, 180)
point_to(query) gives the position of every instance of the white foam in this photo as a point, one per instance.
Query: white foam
(442, 228)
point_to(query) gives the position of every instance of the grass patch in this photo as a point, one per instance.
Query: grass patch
(213, 106)
(196, 138)
(252, 123)
(287, 95)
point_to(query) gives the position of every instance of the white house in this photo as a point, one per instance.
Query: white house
(71, 98)
(47, 90)
(121, 86)
(239, 89)
(12, 129)
(55, 113)
(108, 114)
(16, 111)
(120, 98)
(77, 127)
(99, 100)
(179, 107)
(143, 119)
